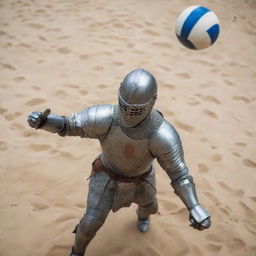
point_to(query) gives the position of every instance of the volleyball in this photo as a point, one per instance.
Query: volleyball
(197, 27)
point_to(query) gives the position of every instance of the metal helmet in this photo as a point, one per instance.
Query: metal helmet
(137, 95)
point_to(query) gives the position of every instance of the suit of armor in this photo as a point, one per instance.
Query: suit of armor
(132, 134)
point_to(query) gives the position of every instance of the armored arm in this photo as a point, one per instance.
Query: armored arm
(167, 148)
(92, 122)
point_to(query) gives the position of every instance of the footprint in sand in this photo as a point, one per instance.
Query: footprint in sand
(184, 75)
(232, 191)
(211, 114)
(164, 68)
(83, 92)
(39, 206)
(84, 56)
(253, 198)
(162, 45)
(151, 32)
(3, 146)
(213, 247)
(249, 163)
(183, 126)
(99, 68)
(40, 147)
(63, 50)
(216, 158)
(170, 86)
(19, 79)
(35, 101)
(211, 99)
(42, 38)
(202, 168)
(2, 110)
(117, 63)
(35, 25)
(12, 116)
(66, 154)
(228, 82)
(7, 66)
(250, 134)
(240, 144)
(130, 45)
(241, 98)
(60, 93)
(192, 101)
(102, 86)
(236, 154)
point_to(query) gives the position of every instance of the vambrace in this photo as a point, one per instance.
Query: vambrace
(54, 123)
(184, 187)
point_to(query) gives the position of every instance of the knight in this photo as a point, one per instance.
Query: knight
(131, 134)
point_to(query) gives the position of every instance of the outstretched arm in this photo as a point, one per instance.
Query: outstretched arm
(92, 122)
(167, 148)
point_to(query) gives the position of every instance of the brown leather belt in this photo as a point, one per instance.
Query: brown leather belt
(97, 165)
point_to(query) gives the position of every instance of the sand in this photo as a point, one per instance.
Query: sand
(68, 55)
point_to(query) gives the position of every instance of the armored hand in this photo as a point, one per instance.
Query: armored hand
(185, 189)
(37, 119)
(199, 218)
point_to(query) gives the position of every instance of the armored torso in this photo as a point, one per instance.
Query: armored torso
(126, 150)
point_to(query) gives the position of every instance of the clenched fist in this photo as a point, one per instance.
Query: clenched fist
(37, 119)
(199, 218)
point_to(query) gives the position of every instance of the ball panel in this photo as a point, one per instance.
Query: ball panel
(182, 17)
(214, 32)
(192, 19)
(201, 42)
(186, 42)
(199, 35)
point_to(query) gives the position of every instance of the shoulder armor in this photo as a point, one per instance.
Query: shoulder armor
(165, 145)
(98, 119)
(164, 139)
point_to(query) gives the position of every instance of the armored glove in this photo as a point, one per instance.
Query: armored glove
(199, 218)
(37, 119)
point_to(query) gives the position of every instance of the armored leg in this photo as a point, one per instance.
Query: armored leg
(147, 202)
(144, 212)
(99, 203)
(87, 229)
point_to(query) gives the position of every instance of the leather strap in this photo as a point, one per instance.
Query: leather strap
(98, 165)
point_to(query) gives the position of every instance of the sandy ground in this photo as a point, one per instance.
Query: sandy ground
(68, 55)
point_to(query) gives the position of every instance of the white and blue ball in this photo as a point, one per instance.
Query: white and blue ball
(197, 27)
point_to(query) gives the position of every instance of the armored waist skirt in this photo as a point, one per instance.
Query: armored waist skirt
(108, 190)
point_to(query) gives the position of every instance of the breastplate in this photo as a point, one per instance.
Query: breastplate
(125, 155)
